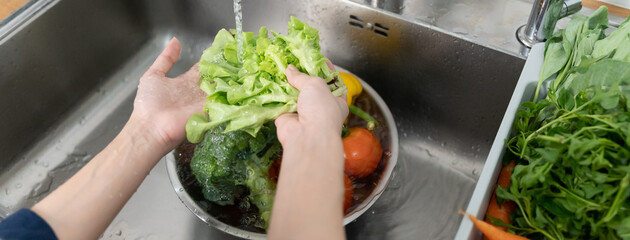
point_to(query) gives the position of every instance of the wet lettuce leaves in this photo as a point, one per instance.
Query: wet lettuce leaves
(245, 95)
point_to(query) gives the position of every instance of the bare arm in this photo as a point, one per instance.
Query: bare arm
(310, 192)
(86, 204)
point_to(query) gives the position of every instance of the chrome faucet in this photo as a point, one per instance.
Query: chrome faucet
(543, 18)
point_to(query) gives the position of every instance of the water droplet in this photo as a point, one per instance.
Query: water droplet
(18, 186)
(180, 189)
(118, 233)
(475, 172)
(41, 188)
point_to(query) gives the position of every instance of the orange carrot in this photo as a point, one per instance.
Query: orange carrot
(491, 232)
(505, 175)
(504, 211)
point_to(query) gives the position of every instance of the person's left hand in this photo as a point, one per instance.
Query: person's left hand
(166, 103)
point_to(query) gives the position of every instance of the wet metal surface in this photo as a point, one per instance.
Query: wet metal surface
(447, 95)
(488, 22)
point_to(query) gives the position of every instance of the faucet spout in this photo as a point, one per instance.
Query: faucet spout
(543, 18)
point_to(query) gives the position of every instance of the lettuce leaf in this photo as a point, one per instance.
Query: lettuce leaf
(245, 95)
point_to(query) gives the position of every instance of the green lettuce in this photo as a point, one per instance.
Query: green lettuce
(245, 95)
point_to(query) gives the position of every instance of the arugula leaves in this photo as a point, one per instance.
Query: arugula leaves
(572, 179)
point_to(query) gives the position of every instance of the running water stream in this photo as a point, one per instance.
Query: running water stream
(238, 17)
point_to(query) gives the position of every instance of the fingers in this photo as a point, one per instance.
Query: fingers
(343, 105)
(342, 100)
(167, 58)
(283, 119)
(285, 124)
(295, 77)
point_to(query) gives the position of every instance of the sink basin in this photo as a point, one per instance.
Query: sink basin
(69, 74)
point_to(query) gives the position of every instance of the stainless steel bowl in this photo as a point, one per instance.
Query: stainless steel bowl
(386, 132)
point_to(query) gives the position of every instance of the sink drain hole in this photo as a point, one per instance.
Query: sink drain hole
(353, 22)
(356, 24)
(377, 28)
(356, 18)
(381, 26)
(380, 32)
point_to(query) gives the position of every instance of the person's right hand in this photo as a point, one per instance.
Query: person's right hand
(317, 110)
(310, 192)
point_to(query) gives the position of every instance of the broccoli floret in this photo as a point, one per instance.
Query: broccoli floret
(225, 163)
(261, 187)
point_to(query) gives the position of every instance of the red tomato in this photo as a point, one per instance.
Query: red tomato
(347, 201)
(363, 152)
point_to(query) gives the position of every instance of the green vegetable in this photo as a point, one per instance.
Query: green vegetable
(233, 165)
(246, 95)
(371, 122)
(572, 180)
(566, 48)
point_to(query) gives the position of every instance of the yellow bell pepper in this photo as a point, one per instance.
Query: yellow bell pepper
(354, 90)
(354, 86)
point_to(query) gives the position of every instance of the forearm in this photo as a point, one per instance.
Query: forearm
(84, 206)
(309, 196)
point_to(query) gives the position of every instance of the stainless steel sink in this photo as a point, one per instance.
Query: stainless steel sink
(69, 71)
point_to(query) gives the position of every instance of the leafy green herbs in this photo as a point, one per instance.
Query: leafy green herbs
(244, 95)
(573, 177)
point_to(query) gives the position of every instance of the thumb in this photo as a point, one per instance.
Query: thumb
(167, 58)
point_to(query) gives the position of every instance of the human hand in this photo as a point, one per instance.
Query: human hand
(311, 173)
(165, 104)
(318, 111)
